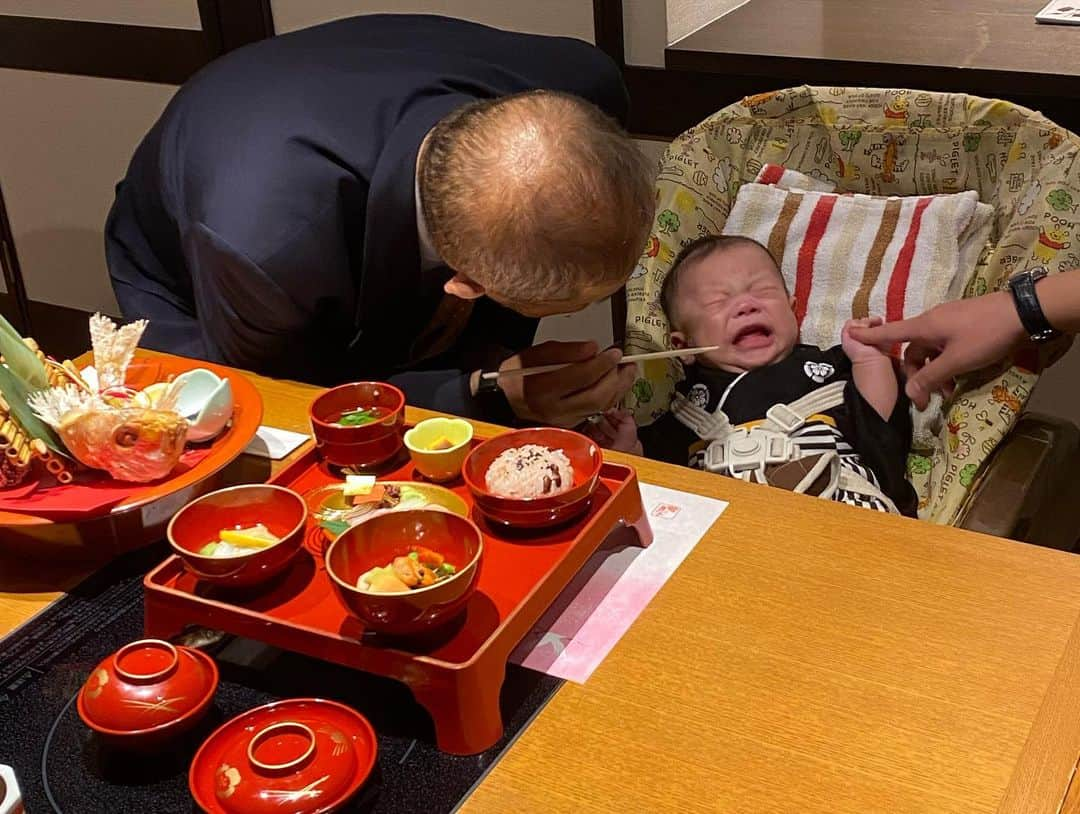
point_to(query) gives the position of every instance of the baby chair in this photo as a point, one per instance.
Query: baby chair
(990, 466)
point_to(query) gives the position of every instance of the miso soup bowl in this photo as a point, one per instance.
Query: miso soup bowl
(377, 540)
(366, 445)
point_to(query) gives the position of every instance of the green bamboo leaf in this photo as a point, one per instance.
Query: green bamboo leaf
(22, 361)
(15, 392)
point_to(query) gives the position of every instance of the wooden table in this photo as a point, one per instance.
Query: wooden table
(986, 47)
(807, 657)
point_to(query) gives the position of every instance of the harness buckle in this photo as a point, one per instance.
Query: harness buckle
(748, 451)
(785, 418)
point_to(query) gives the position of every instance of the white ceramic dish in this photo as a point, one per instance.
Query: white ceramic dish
(206, 401)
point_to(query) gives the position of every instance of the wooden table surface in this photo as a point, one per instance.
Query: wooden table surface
(993, 47)
(806, 657)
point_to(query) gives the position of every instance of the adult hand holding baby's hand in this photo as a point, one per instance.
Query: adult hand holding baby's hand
(858, 351)
(949, 340)
(591, 382)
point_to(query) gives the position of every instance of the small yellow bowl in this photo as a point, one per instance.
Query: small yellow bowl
(439, 464)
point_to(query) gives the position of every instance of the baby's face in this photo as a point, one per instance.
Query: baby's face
(735, 299)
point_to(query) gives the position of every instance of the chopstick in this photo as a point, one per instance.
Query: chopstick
(634, 357)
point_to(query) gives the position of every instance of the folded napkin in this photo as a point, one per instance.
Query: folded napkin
(91, 494)
(853, 255)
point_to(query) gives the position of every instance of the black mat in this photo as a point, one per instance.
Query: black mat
(62, 767)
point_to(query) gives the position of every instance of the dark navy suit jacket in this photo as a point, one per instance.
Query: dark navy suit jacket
(268, 219)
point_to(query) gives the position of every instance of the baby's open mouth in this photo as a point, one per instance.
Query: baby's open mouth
(754, 335)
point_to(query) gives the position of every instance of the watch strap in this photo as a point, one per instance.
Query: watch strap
(1028, 307)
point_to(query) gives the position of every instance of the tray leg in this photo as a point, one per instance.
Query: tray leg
(465, 707)
(632, 513)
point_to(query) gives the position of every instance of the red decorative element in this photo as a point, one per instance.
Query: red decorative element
(366, 445)
(376, 540)
(804, 269)
(99, 517)
(897, 290)
(536, 512)
(666, 511)
(148, 692)
(455, 672)
(771, 174)
(282, 511)
(300, 755)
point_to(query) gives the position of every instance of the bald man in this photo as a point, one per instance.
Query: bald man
(390, 197)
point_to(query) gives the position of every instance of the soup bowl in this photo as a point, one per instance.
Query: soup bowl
(361, 445)
(147, 693)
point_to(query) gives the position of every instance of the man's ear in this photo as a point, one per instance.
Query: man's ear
(680, 340)
(791, 302)
(463, 288)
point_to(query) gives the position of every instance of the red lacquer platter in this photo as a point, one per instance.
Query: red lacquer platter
(140, 517)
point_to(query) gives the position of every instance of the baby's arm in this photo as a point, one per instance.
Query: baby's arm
(617, 430)
(872, 370)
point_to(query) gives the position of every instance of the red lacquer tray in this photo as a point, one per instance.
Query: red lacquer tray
(457, 675)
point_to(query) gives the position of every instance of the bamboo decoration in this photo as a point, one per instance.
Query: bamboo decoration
(15, 447)
(53, 465)
(57, 373)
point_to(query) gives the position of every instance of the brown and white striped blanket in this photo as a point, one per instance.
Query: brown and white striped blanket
(846, 256)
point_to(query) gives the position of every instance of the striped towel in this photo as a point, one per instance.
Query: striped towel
(846, 256)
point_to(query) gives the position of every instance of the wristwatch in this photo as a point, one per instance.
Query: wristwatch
(1022, 286)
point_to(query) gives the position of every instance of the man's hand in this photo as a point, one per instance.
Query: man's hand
(591, 382)
(949, 340)
(858, 351)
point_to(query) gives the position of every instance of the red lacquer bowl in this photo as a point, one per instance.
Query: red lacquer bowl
(537, 512)
(366, 445)
(376, 540)
(148, 692)
(302, 756)
(281, 510)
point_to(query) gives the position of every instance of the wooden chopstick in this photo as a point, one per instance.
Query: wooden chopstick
(634, 357)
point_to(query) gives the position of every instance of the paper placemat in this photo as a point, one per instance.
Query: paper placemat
(615, 586)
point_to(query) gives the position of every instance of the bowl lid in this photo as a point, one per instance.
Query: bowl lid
(144, 685)
(300, 755)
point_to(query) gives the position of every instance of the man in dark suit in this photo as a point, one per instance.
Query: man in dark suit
(390, 197)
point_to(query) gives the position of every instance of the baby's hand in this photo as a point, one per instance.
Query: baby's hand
(856, 351)
(617, 430)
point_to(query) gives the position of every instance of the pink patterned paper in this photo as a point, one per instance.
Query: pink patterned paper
(615, 586)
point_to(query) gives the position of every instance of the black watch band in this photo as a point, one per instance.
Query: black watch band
(487, 385)
(1022, 286)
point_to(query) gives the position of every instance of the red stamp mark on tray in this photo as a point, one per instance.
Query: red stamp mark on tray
(665, 511)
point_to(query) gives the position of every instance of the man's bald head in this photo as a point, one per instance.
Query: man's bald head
(537, 197)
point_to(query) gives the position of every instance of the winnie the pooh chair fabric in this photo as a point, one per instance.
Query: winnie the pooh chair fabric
(878, 142)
